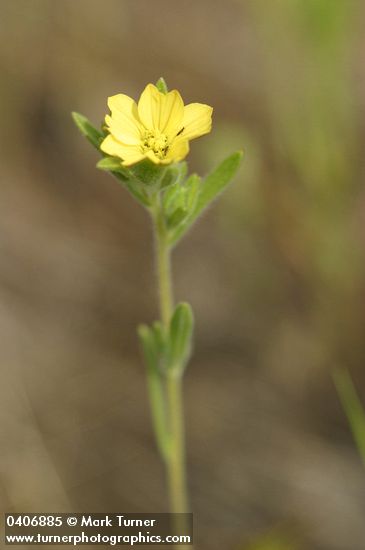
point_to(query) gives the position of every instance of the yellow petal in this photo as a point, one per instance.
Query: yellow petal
(133, 158)
(172, 112)
(111, 146)
(124, 123)
(178, 150)
(148, 106)
(161, 112)
(130, 154)
(154, 158)
(197, 120)
(119, 132)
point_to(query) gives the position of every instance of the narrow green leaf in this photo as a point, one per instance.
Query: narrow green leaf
(159, 333)
(209, 190)
(217, 180)
(181, 329)
(192, 186)
(352, 406)
(161, 85)
(87, 129)
(110, 164)
(155, 390)
(149, 347)
(114, 165)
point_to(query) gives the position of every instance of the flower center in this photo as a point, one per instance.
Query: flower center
(156, 142)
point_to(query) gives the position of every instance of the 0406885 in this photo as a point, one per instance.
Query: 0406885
(21, 520)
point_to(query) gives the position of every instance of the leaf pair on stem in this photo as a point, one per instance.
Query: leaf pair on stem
(166, 352)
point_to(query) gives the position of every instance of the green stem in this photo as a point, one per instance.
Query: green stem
(163, 269)
(175, 462)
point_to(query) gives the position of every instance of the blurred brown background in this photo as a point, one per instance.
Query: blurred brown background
(274, 271)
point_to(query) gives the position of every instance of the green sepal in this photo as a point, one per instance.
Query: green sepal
(180, 337)
(161, 85)
(170, 177)
(147, 172)
(87, 129)
(209, 190)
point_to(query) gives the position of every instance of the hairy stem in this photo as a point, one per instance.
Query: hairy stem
(175, 462)
(163, 269)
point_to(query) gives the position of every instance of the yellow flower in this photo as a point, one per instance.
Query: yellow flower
(158, 128)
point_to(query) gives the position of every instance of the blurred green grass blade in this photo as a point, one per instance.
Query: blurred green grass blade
(272, 545)
(87, 129)
(210, 188)
(275, 540)
(352, 406)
